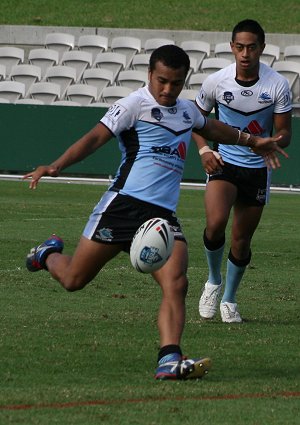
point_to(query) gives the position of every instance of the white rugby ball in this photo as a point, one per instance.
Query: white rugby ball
(151, 245)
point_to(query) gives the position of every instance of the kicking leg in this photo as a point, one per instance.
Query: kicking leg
(73, 272)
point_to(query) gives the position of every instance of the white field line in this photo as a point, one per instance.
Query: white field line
(84, 180)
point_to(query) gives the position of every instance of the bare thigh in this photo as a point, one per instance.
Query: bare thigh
(220, 197)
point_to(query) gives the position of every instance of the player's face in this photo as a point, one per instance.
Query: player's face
(165, 84)
(247, 51)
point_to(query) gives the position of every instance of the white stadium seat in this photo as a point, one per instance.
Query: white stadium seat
(140, 62)
(223, 50)
(98, 77)
(12, 90)
(128, 46)
(81, 93)
(61, 42)
(196, 80)
(116, 62)
(62, 75)
(113, 93)
(11, 56)
(196, 49)
(210, 65)
(27, 74)
(93, 43)
(153, 43)
(291, 71)
(292, 53)
(47, 92)
(79, 60)
(188, 94)
(270, 54)
(29, 101)
(44, 58)
(132, 78)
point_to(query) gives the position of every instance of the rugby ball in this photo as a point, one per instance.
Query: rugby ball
(151, 245)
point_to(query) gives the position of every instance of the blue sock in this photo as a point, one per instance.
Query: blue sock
(214, 261)
(234, 276)
(235, 272)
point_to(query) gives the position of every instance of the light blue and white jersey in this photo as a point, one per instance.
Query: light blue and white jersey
(153, 140)
(249, 109)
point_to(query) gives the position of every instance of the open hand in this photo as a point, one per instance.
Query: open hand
(42, 170)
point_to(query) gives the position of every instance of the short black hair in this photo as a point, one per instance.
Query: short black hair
(170, 55)
(249, 25)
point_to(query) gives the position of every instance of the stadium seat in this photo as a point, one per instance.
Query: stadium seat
(291, 71)
(223, 50)
(44, 58)
(98, 77)
(27, 74)
(196, 80)
(140, 62)
(79, 60)
(2, 72)
(113, 93)
(65, 103)
(292, 53)
(61, 42)
(116, 62)
(45, 91)
(132, 78)
(12, 90)
(153, 43)
(128, 46)
(211, 65)
(29, 101)
(99, 105)
(270, 54)
(196, 49)
(11, 56)
(62, 75)
(192, 70)
(296, 109)
(93, 43)
(188, 94)
(81, 93)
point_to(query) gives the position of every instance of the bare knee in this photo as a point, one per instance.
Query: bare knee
(72, 283)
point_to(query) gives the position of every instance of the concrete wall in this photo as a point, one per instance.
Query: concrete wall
(32, 36)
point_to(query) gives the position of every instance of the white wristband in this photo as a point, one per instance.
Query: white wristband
(246, 135)
(205, 149)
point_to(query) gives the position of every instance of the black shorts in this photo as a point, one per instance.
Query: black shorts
(253, 184)
(116, 218)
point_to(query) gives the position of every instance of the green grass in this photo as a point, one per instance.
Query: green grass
(89, 357)
(206, 15)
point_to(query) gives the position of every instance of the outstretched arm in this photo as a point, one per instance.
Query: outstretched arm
(283, 128)
(84, 147)
(222, 133)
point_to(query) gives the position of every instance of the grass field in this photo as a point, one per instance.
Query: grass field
(205, 15)
(89, 357)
